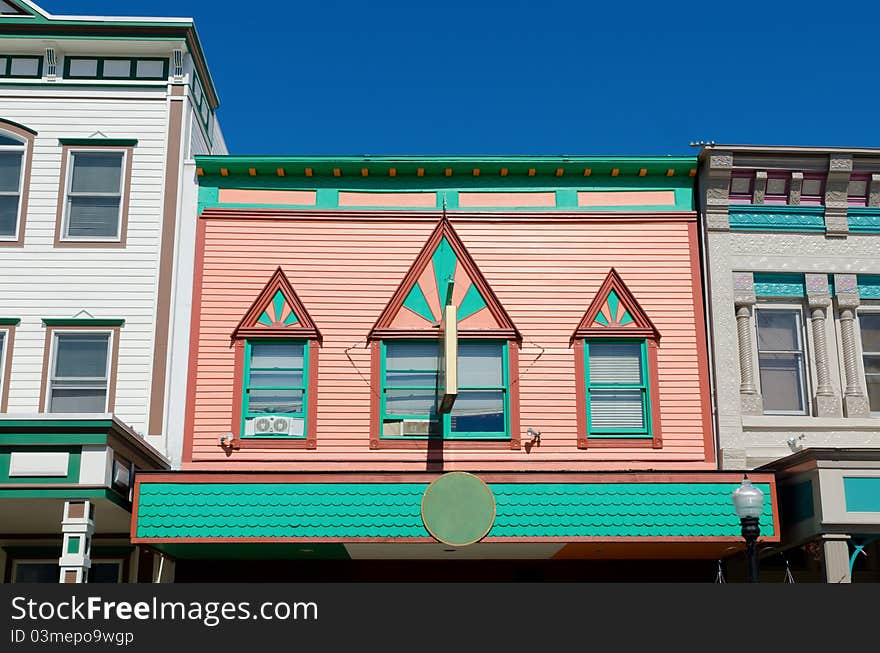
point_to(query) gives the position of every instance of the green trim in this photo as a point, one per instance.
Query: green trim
(246, 388)
(52, 438)
(104, 142)
(862, 493)
(644, 387)
(471, 303)
(7, 121)
(393, 510)
(100, 68)
(63, 493)
(444, 421)
(418, 303)
(73, 543)
(869, 286)
(773, 284)
(865, 220)
(7, 72)
(444, 262)
(776, 217)
(255, 551)
(78, 321)
(10, 321)
(73, 464)
(49, 422)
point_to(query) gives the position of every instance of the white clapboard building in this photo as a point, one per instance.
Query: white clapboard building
(100, 118)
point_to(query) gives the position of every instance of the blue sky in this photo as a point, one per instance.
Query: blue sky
(612, 77)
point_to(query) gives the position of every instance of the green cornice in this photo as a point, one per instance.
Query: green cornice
(109, 142)
(78, 321)
(19, 125)
(542, 166)
(10, 321)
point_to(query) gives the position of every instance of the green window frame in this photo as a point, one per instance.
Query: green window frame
(100, 74)
(6, 66)
(596, 387)
(248, 387)
(444, 425)
(203, 108)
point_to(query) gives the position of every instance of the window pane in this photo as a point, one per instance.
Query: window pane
(10, 171)
(81, 355)
(857, 188)
(6, 139)
(78, 400)
(272, 355)
(873, 383)
(269, 378)
(3, 61)
(778, 330)
(869, 324)
(93, 216)
(37, 572)
(150, 69)
(411, 379)
(104, 572)
(8, 214)
(478, 411)
(782, 382)
(479, 364)
(25, 67)
(615, 362)
(776, 186)
(96, 172)
(615, 410)
(117, 68)
(410, 402)
(421, 356)
(84, 68)
(275, 401)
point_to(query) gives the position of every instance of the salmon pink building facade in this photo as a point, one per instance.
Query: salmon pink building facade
(443, 359)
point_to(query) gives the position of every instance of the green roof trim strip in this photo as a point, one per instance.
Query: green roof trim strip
(10, 321)
(393, 510)
(105, 142)
(77, 321)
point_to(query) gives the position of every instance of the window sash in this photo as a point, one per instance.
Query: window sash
(22, 150)
(62, 383)
(443, 422)
(100, 65)
(598, 388)
(797, 351)
(302, 388)
(71, 195)
(870, 362)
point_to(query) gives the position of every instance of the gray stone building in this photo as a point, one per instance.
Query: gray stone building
(791, 242)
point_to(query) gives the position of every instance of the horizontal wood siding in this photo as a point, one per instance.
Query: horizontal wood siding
(40, 280)
(544, 273)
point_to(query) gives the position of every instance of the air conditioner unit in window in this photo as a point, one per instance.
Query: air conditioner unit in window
(274, 425)
(416, 427)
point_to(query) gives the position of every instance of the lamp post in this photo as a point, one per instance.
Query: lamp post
(749, 504)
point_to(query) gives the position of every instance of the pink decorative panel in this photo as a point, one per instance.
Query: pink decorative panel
(506, 200)
(246, 196)
(626, 198)
(402, 200)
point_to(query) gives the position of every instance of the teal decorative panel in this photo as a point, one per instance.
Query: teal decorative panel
(862, 493)
(769, 284)
(864, 220)
(869, 286)
(369, 510)
(756, 217)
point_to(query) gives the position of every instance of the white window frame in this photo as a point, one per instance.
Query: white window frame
(68, 182)
(53, 360)
(864, 307)
(808, 381)
(4, 353)
(23, 149)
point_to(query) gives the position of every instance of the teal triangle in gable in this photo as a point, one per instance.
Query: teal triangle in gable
(471, 303)
(444, 261)
(418, 303)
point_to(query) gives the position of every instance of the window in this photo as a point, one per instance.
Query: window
(857, 190)
(105, 571)
(80, 371)
(813, 190)
(25, 67)
(617, 388)
(869, 325)
(115, 68)
(275, 391)
(781, 360)
(741, 188)
(409, 391)
(35, 571)
(93, 205)
(13, 150)
(777, 189)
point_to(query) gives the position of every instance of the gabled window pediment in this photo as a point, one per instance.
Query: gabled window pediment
(277, 311)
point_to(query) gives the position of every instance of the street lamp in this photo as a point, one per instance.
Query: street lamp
(749, 503)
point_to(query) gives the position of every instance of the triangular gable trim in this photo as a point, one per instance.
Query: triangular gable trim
(277, 311)
(409, 296)
(622, 316)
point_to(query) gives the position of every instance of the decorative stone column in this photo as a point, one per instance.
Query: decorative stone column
(795, 188)
(760, 188)
(717, 190)
(836, 203)
(819, 299)
(744, 299)
(835, 551)
(846, 289)
(77, 528)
